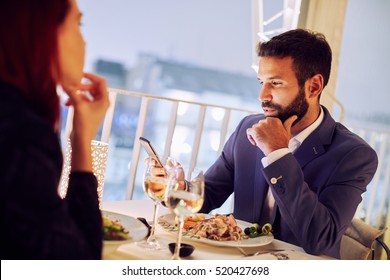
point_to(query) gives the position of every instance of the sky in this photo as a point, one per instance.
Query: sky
(215, 34)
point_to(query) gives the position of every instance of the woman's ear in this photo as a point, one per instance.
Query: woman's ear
(315, 85)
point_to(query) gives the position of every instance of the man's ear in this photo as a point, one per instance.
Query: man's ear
(315, 85)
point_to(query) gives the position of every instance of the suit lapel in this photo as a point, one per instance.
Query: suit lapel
(309, 150)
(260, 188)
(314, 144)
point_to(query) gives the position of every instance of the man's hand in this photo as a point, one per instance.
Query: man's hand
(165, 172)
(270, 134)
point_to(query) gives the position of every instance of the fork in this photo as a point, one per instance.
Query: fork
(260, 252)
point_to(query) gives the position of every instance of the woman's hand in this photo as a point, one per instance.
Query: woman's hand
(89, 111)
(88, 115)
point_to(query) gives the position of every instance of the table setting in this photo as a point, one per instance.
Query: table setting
(202, 251)
(169, 227)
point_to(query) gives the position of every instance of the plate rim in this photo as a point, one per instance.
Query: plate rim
(231, 243)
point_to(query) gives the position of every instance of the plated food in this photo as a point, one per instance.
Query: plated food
(217, 230)
(219, 227)
(114, 230)
(119, 229)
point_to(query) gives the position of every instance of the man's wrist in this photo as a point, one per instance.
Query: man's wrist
(274, 156)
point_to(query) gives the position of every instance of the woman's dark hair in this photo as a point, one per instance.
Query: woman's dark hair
(310, 52)
(29, 51)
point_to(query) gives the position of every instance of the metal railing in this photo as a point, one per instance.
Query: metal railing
(373, 209)
(145, 100)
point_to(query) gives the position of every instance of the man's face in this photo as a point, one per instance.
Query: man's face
(298, 107)
(281, 95)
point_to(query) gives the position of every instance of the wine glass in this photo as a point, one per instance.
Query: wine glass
(184, 198)
(154, 185)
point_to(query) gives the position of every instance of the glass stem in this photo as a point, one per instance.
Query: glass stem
(152, 237)
(176, 255)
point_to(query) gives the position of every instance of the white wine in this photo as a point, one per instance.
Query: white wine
(184, 203)
(155, 188)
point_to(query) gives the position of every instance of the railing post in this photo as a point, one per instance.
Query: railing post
(137, 146)
(224, 130)
(171, 129)
(375, 180)
(197, 138)
(107, 124)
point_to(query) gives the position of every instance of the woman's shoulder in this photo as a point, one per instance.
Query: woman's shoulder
(17, 120)
(25, 133)
(24, 124)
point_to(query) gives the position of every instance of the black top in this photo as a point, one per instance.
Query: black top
(35, 222)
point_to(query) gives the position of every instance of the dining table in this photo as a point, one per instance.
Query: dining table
(203, 250)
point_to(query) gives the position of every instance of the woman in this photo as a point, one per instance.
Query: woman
(41, 48)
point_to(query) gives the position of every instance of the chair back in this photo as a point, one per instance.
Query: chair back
(358, 241)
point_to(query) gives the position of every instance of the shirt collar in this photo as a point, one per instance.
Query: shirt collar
(300, 137)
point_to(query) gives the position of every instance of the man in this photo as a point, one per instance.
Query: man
(293, 166)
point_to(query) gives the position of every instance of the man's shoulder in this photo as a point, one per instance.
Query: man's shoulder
(334, 132)
(348, 141)
(345, 134)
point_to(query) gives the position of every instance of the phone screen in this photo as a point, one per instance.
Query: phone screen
(151, 152)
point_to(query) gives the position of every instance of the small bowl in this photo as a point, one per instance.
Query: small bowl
(185, 249)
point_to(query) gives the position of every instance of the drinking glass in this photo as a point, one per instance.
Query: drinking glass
(154, 185)
(99, 153)
(184, 198)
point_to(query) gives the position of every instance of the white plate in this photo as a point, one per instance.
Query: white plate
(167, 222)
(137, 230)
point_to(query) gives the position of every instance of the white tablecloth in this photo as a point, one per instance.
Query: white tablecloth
(144, 208)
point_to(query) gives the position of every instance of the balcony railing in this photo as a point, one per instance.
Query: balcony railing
(374, 208)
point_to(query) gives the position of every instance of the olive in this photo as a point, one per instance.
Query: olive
(266, 228)
(247, 231)
(253, 229)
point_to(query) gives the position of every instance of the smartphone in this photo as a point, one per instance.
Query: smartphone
(151, 152)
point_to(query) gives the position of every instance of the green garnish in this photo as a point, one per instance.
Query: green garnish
(255, 231)
(113, 230)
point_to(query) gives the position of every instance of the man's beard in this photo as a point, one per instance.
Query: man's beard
(298, 107)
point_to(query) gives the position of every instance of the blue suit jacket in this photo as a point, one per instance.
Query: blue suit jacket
(318, 190)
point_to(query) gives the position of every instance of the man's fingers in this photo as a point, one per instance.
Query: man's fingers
(157, 171)
(249, 136)
(289, 122)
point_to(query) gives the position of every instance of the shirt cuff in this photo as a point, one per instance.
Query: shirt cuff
(274, 156)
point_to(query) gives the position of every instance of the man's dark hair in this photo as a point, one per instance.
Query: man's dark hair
(310, 52)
